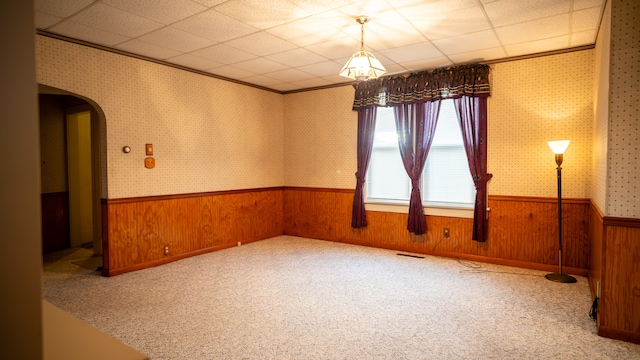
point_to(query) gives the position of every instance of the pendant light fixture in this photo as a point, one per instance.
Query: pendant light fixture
(362, 65)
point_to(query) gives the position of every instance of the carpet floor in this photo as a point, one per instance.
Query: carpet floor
(297, 298)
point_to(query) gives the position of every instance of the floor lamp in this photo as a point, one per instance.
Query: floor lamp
(558, 148)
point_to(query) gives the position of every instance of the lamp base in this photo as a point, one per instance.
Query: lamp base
(561, 278)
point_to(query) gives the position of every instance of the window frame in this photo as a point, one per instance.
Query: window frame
(447, 209)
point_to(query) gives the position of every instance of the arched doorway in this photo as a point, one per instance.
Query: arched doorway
(73, 170)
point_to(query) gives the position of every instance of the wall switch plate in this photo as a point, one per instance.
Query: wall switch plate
(148, 148)
(446, 232)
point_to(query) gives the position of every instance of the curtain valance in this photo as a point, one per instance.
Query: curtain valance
(451, 82)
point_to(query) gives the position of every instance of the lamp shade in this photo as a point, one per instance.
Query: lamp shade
(362, 66)
(559, 146)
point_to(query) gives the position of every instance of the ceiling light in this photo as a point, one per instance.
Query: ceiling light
(362, 65)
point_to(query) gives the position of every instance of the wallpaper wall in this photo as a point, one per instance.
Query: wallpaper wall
(208, 134)
(533, 101)
(624, 112)
(53, 148)
(320, 141)
(601, 111)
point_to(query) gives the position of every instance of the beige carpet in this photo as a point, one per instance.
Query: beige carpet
(295, 298)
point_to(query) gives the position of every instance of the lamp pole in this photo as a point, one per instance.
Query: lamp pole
(559, 149)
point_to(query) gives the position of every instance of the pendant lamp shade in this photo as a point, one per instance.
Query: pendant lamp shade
(362, 65)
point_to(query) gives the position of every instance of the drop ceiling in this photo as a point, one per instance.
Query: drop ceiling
(300, 44)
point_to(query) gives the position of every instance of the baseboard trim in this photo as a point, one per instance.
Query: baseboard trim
(169, 259)
(476, 258)
(624, 335)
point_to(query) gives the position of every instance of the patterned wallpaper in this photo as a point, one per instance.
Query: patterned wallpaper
(601, 121)
(208, 134)
(534, 101)
(320, 141)
(624, 112)
(53, 148)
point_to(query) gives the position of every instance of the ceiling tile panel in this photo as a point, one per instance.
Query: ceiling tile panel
(262, 14)
(115, 20)
(466, 21)
(44, 20)
(424, 50)
(297, 57)
(466, 43)
(223, 54)
(61, 8)
(83, 32)
(326, 68)
(507, 12)
(533, 47)
(262, 80)
(261, 44)
(584, 4)
(583, 38)
(315, 82)
(387, 30)
(290, 75)
(432, 63)
(314, 29)
(232, 72)
(145, 49)
(586, 19)
(194, 62)
(176, 39)
(209, 3)
(534, 30)
(260, 66)
(215, 26)
(479, 55)
(337, 48)
(163, 11)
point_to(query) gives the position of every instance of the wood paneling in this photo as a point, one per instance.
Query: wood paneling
(621, 280)
(55, 221)
(523, 231)
(615, 264)
(138, 231)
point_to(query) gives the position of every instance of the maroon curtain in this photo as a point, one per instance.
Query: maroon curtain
(366, 130)
(472, 116)
(416, 126)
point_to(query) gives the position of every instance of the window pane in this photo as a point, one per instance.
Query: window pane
(446, 176)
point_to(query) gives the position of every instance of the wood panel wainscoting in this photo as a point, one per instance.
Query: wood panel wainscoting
(523, 231)
(615, 275)
(55, 221)
(137, 230)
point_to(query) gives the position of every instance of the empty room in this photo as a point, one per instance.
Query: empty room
(301, 179)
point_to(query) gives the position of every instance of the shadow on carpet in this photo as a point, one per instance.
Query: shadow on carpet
(93, 263)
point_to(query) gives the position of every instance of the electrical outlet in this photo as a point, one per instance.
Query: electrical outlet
(166, 250)
(446, 232)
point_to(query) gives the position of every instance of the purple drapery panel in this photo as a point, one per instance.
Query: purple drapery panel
(416, 125)
(366, 130)
(472, 116)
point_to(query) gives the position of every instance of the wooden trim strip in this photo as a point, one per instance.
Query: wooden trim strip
(331, 190)
(621, 222)
(184, 196)
(624, 335)
(539, 199)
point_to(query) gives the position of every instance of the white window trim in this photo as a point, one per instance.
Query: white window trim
(433, 209)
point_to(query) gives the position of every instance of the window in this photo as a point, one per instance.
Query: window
(446, 180)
